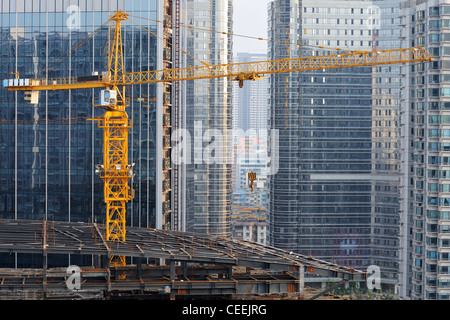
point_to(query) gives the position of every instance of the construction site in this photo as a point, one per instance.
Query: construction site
(160, 262)
(167, 265)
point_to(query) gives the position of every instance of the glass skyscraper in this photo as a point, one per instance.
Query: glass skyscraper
(335, 195)
(48, 151)
(250, 101)
(207, 112)
(285, 26)
(385, 192)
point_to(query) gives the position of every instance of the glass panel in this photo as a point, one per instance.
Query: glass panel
(5, 6)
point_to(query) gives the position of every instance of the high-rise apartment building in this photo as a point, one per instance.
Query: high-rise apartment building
(425, 124)
(335, 195)
(48, 151)
(206, 178)
(406, 206)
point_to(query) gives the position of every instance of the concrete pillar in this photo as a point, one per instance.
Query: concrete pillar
(172, 270)
(138, 267)
(172, 279)
(44, 273)
(106, 261)
(301, 280)
(184, 269)
(229, 274)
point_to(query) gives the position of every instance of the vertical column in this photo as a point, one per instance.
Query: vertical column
(115, 173)
(301, 281)
(184, 268)
(16, 180)
(138, 267)
(177, 168)
(167, 222)
(44, 273)
(172, 279)
(44, 258)
(159, 120)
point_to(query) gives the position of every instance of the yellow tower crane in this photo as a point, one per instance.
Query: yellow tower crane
(115, 170)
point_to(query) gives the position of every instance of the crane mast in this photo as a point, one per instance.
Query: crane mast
(115, 170)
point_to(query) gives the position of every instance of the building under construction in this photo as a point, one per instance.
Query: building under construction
(164, 265)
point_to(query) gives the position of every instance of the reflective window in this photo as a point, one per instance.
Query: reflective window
(58, 147)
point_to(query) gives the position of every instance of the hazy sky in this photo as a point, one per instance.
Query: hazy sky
(250, 18)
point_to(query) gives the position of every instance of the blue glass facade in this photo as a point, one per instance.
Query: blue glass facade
(48, 151)
(283, 228)
(208, 106)
(336, 164)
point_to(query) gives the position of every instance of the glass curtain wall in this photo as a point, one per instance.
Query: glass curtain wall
(208, 119)
(284, 116)
(48, 151)
(335, 145)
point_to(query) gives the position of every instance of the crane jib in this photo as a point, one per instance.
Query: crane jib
(237, 71)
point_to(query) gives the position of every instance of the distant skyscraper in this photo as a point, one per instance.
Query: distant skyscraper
(249, 118)
(250, 102)
(425, 205)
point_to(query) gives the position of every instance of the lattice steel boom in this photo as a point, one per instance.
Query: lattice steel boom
(240, 71)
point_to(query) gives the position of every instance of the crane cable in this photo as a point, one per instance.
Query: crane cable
(254, 37)
(59, 60)
(169, 43)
